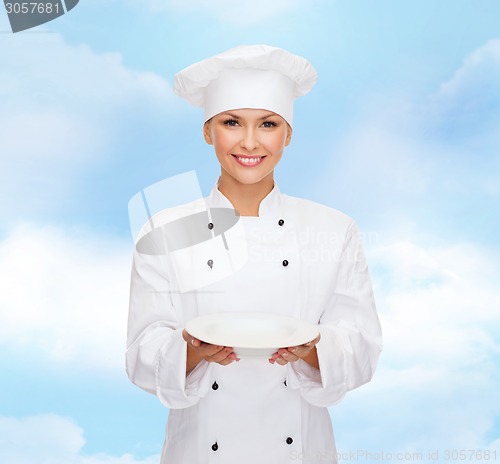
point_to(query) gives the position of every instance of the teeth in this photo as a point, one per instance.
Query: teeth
(249, 160)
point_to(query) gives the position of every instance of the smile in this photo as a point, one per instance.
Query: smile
(249, 161)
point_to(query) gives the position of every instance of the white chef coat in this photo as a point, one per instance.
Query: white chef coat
(304, 260)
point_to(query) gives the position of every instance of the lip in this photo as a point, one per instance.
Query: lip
(248, 165)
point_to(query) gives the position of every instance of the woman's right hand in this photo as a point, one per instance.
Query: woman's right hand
(223, 355)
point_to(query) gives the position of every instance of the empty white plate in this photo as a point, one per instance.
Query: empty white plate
(252, 334)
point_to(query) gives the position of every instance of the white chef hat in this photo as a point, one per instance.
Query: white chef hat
(249, 76)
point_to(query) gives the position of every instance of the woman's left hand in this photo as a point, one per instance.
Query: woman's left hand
(294, 353)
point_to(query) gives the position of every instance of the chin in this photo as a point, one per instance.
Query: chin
(249, 180)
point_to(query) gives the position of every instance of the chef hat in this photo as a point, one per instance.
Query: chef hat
(249, 76)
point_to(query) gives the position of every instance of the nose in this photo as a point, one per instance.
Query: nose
(249, 140)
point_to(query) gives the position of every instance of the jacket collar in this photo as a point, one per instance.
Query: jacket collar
(270, 206)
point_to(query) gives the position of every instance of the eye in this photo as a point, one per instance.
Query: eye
(269, 124)
(231, 122)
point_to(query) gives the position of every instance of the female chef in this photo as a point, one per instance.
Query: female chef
(304, 260)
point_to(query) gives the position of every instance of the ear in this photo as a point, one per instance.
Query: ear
(288, 135)
(206, 132)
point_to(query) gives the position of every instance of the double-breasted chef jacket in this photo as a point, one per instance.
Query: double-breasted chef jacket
(305, 260)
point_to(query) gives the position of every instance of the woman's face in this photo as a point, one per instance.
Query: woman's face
(248, 142)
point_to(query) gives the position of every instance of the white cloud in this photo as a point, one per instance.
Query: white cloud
(125, 459)
(437, 384)
(465, 113)
(58, 96)
(64, 293)
(396, 159)
(51, 439)
(237, 13)
(62, 107)
(495, 445)
(441, 305)
(378, 170)
(427, 159)
(474, 89)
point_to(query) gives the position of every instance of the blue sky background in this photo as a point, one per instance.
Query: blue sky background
(402, 132)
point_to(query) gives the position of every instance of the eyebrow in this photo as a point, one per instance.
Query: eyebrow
(240, 117)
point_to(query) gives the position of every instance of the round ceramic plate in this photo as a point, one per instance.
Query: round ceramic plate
(252, 334)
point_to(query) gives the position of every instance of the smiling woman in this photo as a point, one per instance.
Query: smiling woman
(249, 144)
(225, 409)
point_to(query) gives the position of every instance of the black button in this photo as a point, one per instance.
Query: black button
(281, 222)
(285, 263)
(289, 441)
(210, 226)
(215, 386)
(215, 446)
(284, 383)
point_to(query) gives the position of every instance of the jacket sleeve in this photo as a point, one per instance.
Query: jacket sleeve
(156, 351)
(351, 338)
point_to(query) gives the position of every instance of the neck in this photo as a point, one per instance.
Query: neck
(245, 198)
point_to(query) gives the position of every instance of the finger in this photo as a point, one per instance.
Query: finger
(231, 358)
(207, 350)
(225, 362)
(282, 358)
(289, 356)
(274, 361)
(299, 351)
(188, 338)
(281, 361)
(220, 355)
(285, 352)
